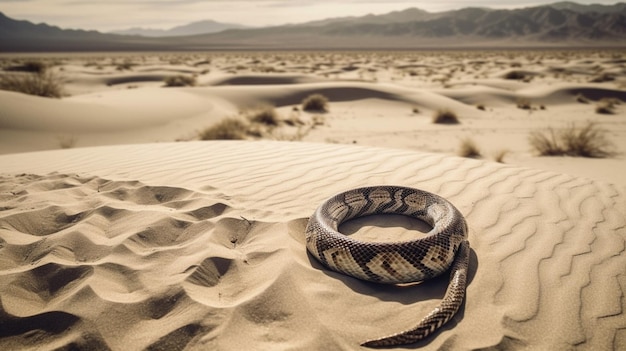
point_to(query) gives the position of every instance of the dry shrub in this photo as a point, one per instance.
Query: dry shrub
(588, 141)
(480, 107)
(180, 81)
(315, 102)
(46, 84)
(605, 109)
(517, 75)
(30, 66)
(607, 105)
(264, 115)
(469, 149)
(499, 155)
(228, 129)
(546, 144)
(445, 116)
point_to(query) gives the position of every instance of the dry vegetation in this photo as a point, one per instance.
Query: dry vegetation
(315, 103)
(445, 116)
(231, 128)
(499, 155)
(506, 71)
(469, 149)
(180, 81)
(262, 122)
(588, 141)
(33, 78)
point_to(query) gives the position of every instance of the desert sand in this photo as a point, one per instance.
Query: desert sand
(378, 98)
(128, 240)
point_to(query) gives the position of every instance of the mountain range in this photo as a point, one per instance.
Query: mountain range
(563, 24)
(200, 27)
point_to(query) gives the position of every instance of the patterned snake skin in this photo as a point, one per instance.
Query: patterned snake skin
(395, 262)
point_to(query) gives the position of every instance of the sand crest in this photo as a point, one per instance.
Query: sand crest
(200, 246)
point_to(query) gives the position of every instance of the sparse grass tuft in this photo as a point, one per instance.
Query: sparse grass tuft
(45, 84)
(607, 105)
(588, 141)
(469, 149)
(228, 129)
(445, 116)
(499, 155)
(517, 75)
(604, 109)
(546, 144)
(315, 102)
(264, 115)
(180, 81)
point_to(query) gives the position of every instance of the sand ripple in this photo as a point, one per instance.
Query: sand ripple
(199, 246)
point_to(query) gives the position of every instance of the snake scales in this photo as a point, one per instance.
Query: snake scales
(396, 262)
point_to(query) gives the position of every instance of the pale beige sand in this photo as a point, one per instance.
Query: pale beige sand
(200, 246)
(120, 99)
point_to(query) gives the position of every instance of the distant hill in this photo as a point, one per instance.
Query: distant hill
(25, 36)
(562, 24)
(561, 21)
(568, 5)
(200, 27)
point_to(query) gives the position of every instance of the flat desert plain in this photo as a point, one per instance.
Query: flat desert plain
(127, 224)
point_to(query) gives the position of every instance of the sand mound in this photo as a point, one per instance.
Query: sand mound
(200, 246)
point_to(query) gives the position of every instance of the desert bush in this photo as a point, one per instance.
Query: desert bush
(315, 102)
(264, 115)
(604, 108)
(607, 105)
(546, 144)
(180, 81)
(517, 75)
(45, 84)
(588, 141)
(228, 129)
(30, 66)
(469, 149)
(480, 107)
(445, 116)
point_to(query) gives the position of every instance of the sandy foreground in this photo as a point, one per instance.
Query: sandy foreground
(128, 240)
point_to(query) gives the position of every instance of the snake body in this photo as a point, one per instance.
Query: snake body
(444, 248)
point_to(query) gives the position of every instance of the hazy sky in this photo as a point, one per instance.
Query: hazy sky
(107, 15)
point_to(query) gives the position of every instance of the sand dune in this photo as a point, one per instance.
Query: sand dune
(200, 246)
(378, 99)
(142, 243)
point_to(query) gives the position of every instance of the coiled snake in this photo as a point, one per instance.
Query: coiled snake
(395, 262)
